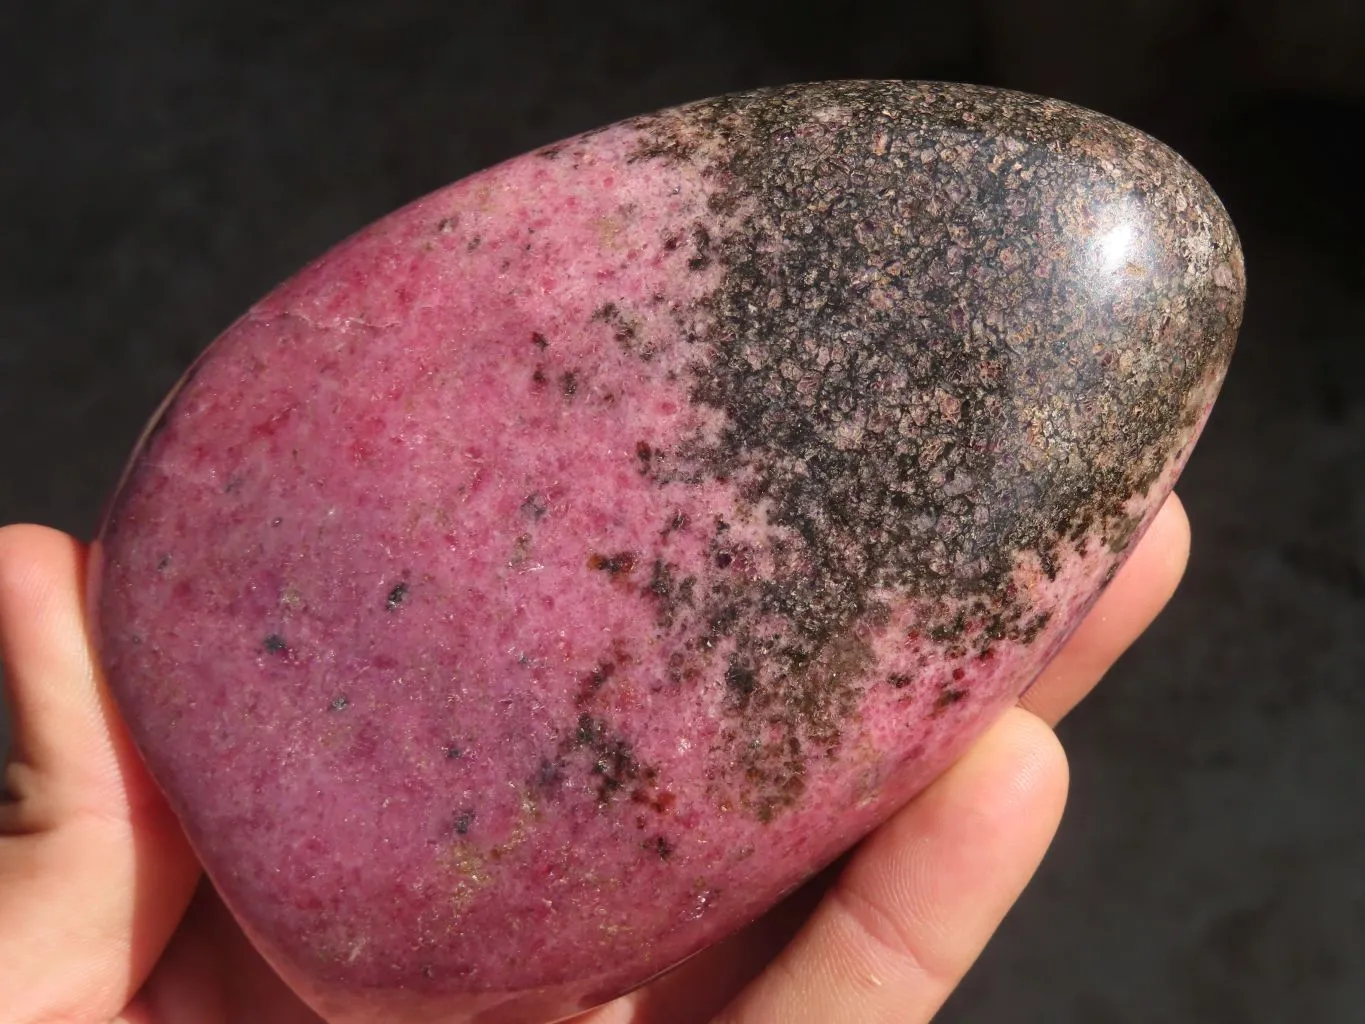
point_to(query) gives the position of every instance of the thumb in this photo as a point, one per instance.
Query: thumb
(94, 870)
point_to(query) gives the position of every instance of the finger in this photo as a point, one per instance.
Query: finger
(919, 899)
(1141, 589)
(94, 871)
(64, 758)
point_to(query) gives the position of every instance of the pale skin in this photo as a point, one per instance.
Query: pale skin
(104, 915)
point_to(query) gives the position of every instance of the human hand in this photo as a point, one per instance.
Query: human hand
(104, 916)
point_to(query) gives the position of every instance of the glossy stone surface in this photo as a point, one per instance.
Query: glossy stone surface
(542, 583)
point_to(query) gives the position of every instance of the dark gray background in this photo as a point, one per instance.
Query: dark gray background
(162, 164)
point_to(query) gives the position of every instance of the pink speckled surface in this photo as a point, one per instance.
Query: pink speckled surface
(395, 598)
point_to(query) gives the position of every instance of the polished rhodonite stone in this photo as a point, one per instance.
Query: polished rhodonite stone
(550, 577)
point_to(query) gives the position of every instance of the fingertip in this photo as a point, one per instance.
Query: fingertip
(26, 546)
(1167, 544)
(1027, 753)
(1012, 782)
(36, 564)
(1143, 586)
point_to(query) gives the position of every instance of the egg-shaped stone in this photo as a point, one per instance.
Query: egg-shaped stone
(542, 583)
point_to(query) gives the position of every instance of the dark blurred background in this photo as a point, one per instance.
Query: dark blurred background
(163, 163)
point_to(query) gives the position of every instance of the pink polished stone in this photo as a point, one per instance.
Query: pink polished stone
(541, 584)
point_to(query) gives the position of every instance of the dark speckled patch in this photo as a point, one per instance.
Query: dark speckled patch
(958, 328)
